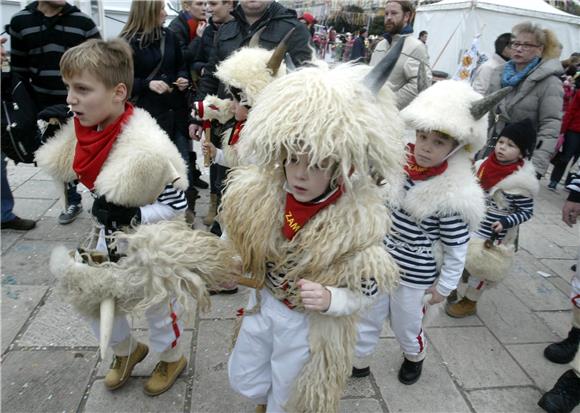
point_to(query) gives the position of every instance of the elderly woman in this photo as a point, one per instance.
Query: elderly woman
(533, 72)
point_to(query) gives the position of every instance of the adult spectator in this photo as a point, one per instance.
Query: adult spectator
(533, 72)
(9, 220)
(358, 52)
(40, 34)
(161, 76)
(189, 26)
(399, 15)
(571, 146)
(503, 53)
(423, 36)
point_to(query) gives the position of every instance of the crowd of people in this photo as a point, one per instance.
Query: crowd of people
(334, 219)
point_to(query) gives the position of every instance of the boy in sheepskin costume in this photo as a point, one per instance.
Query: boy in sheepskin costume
(307, 220)
(509, 180)
(441, 202)
(137, 177)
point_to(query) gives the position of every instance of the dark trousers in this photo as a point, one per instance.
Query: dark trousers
(570, 150)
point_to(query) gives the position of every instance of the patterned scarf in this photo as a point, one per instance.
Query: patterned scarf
(510, 77)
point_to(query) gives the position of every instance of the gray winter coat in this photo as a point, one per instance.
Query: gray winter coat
(538, 97)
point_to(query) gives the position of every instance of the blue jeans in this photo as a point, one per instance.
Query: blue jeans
(7, 198)
(72, 196)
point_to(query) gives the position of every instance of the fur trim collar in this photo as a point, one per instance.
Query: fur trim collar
(143, 160)
(521, 182)
(455, 191)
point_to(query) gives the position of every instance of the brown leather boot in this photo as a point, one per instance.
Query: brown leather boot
(163, 376)
(212, 212)
(461, 309)
(261, 408)
(122, 367)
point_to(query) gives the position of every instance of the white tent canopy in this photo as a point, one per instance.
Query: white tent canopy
(452, 25)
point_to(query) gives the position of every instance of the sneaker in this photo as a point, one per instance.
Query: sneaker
(19, 224)
(122, 367)
(163, 376)
(552, 186)
(410, 371)
(71, 213)
(564, 396)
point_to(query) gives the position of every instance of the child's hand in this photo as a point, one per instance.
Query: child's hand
(181, 83)
(436, 297)
(497, 227)
(314, 296)
(208, 148)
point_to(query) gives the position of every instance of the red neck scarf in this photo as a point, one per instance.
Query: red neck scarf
(93, 147)
(419, 173)
(297, 213)
(192, 23)
(235, 136)
(491, 171)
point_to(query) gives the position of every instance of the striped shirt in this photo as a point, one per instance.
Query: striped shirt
(173, 197)
(574, 185)
(37, 44)
(411, 243)
(519, 210)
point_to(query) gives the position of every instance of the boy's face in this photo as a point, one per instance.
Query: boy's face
(240, 111)
(507, 151)
(92, 103)
(431, 148)
(305, 183)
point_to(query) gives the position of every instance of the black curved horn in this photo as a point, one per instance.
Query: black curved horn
(377, 77)
(480, 107)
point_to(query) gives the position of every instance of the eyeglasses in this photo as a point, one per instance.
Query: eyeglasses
(524, 46)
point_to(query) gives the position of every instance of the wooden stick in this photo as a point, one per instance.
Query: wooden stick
(207, 130)
(248, 282)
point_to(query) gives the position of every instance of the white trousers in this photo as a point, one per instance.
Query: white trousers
(165, 327)
(406, 310)
(270, 351)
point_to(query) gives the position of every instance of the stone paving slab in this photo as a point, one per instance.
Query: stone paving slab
(437, 317)
(476, 359)
(435, 387)
(18, 302)
(543, 372)
(86, 201)
(211, 392)
(33, 208)
(510, 320)
(513, 400)
(57, 324)
(559, 322)
(360, 406)
(10, 237)
(36, 190)
(536, 292)
(360, 387)
(560, 268)
(28, 261)
(19, 175)
(226, 306)
(42, 381)
(539, 246)
(131, 398)
(49, 229)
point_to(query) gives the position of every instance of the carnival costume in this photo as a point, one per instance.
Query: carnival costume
(436, 209)
(142, 172)
(305, 365)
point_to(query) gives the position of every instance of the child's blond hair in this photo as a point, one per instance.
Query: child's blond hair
(111, 62)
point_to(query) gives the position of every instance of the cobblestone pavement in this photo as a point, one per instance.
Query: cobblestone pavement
(491, 362)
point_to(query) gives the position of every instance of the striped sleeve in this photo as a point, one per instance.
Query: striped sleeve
(173, 197)
(453, 230)
(523, 208)
(369, 287)
(574, 187)
(170, 203)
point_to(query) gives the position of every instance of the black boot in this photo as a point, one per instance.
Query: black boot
(190, 195)
(197, 181)
(564, 351)
(564, 396)
(410, 371)
(362, 372)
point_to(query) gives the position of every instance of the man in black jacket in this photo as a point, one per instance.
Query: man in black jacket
(40, 34)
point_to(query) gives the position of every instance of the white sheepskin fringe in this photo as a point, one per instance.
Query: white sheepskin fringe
(491, 264)
(445, 107)
(163, 260)
(321, 382)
